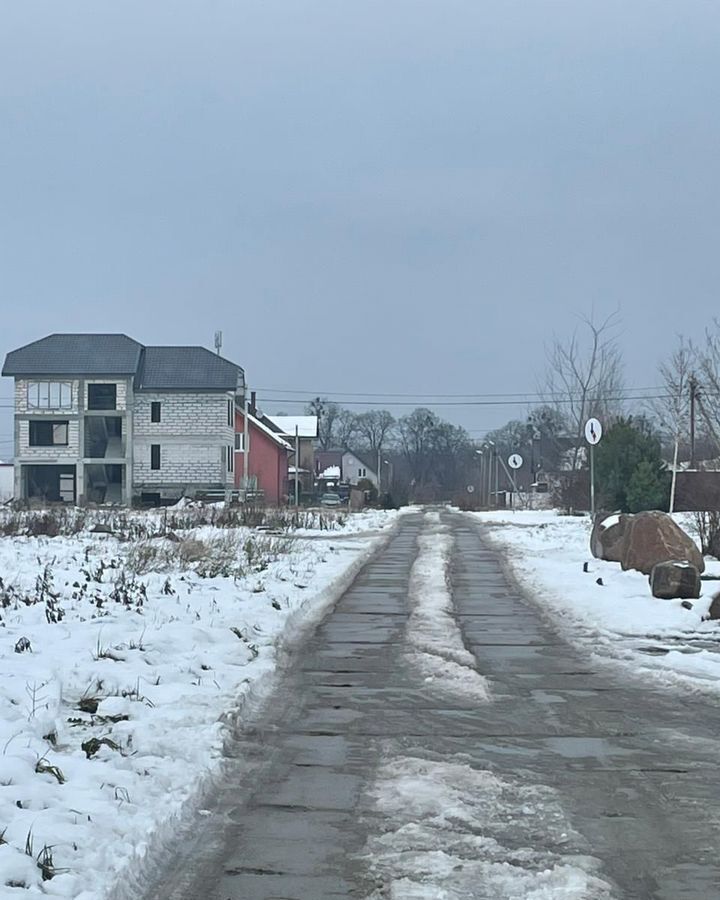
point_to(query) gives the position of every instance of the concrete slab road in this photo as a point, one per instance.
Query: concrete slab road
(437, 739)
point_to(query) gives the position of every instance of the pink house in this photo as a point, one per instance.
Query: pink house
(267, 458)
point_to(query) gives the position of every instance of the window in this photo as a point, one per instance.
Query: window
(48, 434)
(231, 410)
(154, 456)
(240, 442)
(49, 395)
(102, 396)
(362, 473)
(155, 411)
(230, 459)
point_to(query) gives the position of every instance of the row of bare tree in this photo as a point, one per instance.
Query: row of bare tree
(583, 377)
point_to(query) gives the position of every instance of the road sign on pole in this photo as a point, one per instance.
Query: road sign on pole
(515, 461)
(593, 433)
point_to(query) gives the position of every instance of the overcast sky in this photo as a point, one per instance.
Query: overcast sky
(378, 196)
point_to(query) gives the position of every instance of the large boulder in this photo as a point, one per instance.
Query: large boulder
(652, 538)
(675, 579)
(607, 540)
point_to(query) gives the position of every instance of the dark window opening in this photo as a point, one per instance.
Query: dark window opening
(48, 434)
(104, 437)
(53, 484)
(230, 406)
(155, 456)
(155, 411)
(104, 483)
(102, 396)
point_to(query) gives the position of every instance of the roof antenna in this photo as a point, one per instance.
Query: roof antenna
(218, 341)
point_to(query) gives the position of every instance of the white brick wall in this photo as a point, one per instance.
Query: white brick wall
(192, 431)
(184, 414)
(180, 463)
(49, 454)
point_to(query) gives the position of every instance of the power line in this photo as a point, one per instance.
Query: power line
(542, 396)
(444, 403)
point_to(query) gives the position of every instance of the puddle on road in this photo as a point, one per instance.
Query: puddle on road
(584, 747)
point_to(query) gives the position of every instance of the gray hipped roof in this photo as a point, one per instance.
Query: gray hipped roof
(102, 355)
(75, 354)
(185, 368)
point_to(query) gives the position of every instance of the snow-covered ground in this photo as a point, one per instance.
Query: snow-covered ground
(123, 664)
(443, 835)
(618, 618)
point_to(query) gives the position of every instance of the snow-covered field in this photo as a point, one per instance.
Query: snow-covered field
(618, 618)
(124, 663)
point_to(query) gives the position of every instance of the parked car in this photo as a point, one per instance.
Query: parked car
(330, 499)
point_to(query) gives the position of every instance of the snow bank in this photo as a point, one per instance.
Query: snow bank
(114, 716)
(432, 632)
(618, 618)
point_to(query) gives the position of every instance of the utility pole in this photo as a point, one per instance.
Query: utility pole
(246, 444)
(497, 477)
(297, 468)
(491, 450)
(693, 398)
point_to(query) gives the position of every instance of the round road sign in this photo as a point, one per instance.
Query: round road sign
(593, 431)
(471, 489)
(515, 461)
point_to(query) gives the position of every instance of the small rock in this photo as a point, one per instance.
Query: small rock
(586, 567)
(600, 582)
(686, 604)
(22, 645)
(675, 579)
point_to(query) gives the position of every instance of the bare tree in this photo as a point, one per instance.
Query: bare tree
(375, 428)
(327, 413)
(345, 428)
(436, 452)
(584, 377)
(672, 409)
(708, 384)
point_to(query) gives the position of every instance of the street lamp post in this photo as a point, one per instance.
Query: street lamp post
(481, 497)
(493, 455)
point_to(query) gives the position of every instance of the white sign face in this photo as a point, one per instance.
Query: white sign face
(593, 431)
(471, 489)
(515, 461)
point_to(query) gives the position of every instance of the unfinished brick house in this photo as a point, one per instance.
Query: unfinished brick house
(101, 418)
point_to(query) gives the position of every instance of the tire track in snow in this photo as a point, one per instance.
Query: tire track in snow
(435, 644)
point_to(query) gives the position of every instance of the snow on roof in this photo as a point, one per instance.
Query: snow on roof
(330, 472)
(307, 426)
(261, 426)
